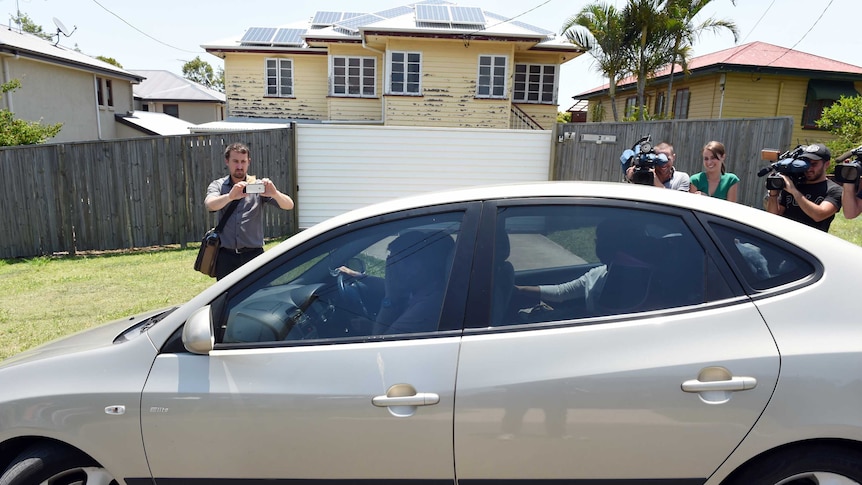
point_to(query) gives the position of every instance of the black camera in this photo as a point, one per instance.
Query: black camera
(848, 167)
(787, 163)
(644, 159)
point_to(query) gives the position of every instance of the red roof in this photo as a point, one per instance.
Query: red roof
(752, 55)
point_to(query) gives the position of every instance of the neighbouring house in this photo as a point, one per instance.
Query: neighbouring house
(426, 64)
(748, 81)
(174, 95)
(60, 85)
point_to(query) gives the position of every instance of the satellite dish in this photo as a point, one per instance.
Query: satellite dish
(61, 28)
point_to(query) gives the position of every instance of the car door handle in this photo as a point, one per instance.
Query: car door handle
(732, 384)
(418, 399)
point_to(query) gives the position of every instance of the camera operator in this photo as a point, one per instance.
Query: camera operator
(816, 199)
(665, 175)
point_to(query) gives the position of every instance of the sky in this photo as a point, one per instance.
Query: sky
(164, 34)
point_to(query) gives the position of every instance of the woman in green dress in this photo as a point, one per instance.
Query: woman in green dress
(715, 180)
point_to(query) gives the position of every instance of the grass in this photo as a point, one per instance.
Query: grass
(48, 297)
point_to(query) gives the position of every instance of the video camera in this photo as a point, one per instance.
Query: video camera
(787, 163)
(643, 158)
(848, 167)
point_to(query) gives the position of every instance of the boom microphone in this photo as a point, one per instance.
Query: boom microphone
(848, 154)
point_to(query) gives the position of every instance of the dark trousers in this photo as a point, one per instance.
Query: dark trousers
(229, 260)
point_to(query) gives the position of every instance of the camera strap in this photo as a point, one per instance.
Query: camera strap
(230, 208)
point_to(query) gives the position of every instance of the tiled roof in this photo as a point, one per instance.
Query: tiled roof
(165, 85)
(750, 56)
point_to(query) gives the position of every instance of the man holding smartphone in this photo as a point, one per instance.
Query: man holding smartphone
(242, 236)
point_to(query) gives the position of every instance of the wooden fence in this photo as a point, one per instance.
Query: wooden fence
(120, 194)
(591, 151)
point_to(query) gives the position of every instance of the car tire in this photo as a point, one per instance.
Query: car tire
(809, 465)
(54, 464)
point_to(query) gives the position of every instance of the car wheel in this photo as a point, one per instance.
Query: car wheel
(53, 464)
(815, 465)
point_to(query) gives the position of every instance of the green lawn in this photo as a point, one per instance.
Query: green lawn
(45, 298)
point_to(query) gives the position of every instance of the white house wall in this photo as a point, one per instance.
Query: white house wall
(344, 167)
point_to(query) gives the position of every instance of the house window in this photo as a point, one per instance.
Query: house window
(660, 104)
(405, 73)
(680, 104)
(109, 90)
(492, 77)
(354, 76)
(821, 95)
(171, 109)
(100, 94)
(535, 83)
(279, 77)
(631, 106)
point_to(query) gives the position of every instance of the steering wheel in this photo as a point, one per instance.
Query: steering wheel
(351, 295)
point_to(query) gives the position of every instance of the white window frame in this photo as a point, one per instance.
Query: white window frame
(534, 83)
(406, 82)
(362, 85)
(494, 82)
(280, 65)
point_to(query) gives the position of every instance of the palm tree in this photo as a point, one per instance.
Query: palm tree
(599, 29)
(680, 15)
(650, 42)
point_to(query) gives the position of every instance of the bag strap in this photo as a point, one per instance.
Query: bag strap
(227, 213)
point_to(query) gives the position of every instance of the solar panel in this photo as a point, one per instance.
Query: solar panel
(288, 37)
(467, 15)
(434, 2)
(325, 18)
(532, 28)
(353, 24)
(432, 13)
(258, 35)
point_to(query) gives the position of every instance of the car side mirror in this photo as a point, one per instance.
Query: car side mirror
(198, 337)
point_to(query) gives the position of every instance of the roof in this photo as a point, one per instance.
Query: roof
(155, 123)
(754, 56)
(30, 46)
(167, 86)
(248, 125)
(430, 18)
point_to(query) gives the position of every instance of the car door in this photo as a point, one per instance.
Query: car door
(315, 403)
(659, 377)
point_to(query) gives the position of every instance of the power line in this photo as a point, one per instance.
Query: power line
(141, 31)
(805, 34)
(758, 22)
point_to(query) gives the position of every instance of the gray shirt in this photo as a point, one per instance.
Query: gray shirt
(244, 228)
(678, 181)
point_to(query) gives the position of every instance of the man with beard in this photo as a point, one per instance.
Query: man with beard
(242, 236)
(813, 202)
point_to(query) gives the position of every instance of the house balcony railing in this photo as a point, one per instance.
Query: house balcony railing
(519, 120)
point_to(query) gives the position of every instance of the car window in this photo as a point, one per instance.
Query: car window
(385, 279)
(762, 264)
(574, 261)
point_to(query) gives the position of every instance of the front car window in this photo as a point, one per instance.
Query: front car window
(561, 262)
(385, 279)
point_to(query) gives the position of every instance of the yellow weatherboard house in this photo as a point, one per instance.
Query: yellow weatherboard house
(425, 64)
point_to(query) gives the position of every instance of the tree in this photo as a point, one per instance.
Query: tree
(649, 39)
(680, 16)
(202, 72)
(599, 29)
(27, 25)
(110, 60)
(844, 120)
(20, 132)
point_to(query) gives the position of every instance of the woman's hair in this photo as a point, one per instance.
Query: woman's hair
(717, 149)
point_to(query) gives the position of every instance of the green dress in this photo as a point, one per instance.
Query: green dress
(726, 181)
